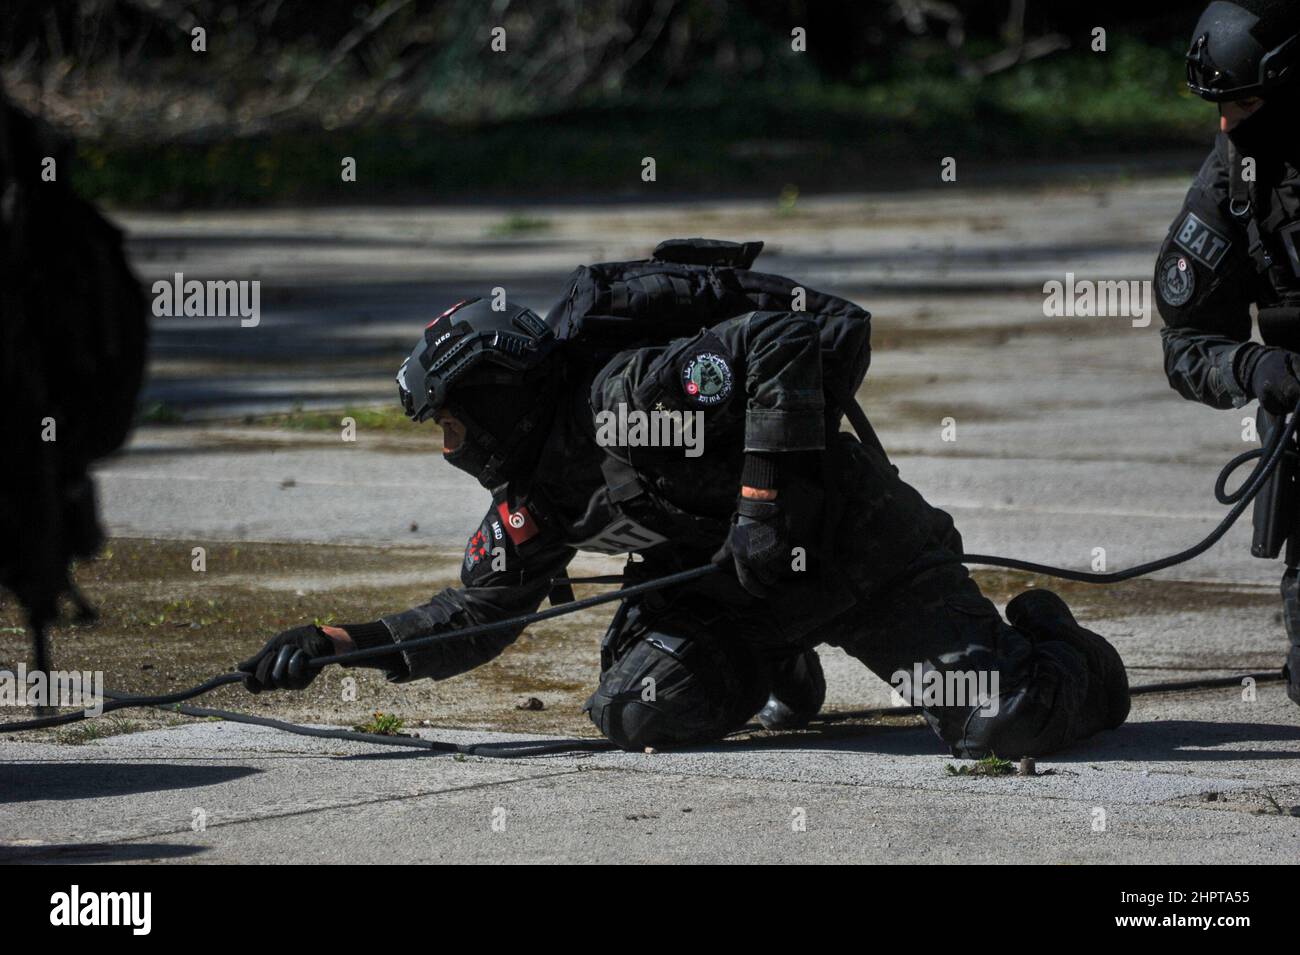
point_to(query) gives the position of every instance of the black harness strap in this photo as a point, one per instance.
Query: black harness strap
(1240, 202)
(621, 480)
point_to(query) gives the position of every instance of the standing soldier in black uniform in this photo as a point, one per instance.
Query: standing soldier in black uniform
(73, 328)
(1235, 243)
(818, 539)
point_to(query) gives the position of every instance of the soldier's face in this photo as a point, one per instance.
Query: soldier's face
(1232, 115)
(453, 431)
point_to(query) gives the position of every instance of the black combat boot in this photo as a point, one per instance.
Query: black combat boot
(798, 692)
(1043, 616)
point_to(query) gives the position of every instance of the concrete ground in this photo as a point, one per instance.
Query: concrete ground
(1067, 440)
(1197, 779)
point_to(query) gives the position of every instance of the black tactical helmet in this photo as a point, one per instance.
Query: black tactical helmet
(1244, 48)
(492, 370)
(469, 334)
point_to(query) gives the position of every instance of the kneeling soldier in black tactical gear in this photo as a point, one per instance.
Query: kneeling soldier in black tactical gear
(1235, 243)
(819, 540)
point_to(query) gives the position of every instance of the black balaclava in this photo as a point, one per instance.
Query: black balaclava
(507, 417)
(1271, 130)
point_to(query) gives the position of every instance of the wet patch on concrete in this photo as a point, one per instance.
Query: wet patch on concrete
(163, 626)
(1134, 598)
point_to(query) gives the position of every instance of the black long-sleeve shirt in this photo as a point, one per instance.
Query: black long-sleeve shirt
(1206, 281)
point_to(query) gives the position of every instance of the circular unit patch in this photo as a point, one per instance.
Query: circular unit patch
(1176, 280)
(707, 378)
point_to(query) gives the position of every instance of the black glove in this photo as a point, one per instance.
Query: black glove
(758, 544)
(282, 663)
(1273, 380)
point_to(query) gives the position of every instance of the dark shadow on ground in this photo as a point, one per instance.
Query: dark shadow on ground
(86, 853)
(1184, 741)
(1157, 741)
(521, 750)
(883, 740)
(35, 782)
(355, 314)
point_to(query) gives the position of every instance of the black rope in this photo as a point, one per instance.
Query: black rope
(119, 701)
(504, 750)
(1142, 689)
(602, 579)
(524, 620)
(1240, 499)
(1270, 457)
(517, 750)
(123, 701)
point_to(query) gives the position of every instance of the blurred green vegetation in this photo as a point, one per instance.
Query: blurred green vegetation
(772, 97)
(517, 225)
(758, 139)
(387, 418)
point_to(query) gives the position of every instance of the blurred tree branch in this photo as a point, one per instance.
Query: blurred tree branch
(366, 29)
(124, 68)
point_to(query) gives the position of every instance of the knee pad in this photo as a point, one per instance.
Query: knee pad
(663, 687)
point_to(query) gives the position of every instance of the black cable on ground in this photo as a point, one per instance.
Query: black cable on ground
(119, 701)
(1142, 689)
(515, 750)
(505, 750)
(1270, 456)
(123, 701)
(1174, 686)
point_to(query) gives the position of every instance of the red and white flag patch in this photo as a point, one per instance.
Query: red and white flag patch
(519, 523)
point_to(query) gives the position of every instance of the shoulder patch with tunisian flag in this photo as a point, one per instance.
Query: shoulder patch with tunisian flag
(520, 525)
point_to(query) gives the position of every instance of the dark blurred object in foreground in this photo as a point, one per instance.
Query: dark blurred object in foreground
(72, 350)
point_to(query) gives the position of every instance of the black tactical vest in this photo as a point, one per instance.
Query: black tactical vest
(685, 286)
(690, 284)
(1269, 210)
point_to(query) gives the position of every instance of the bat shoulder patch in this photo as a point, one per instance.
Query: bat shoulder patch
(1201, 241)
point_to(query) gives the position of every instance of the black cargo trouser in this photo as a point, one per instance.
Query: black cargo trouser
(690, 670)
(1017, 695)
